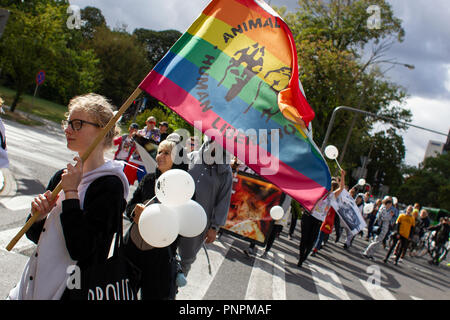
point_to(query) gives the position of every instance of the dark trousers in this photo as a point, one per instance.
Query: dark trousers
(437, 252)
(309, 232)
(294, 217)
(403, 247)
(337, 227)
(158, 271)
(276, 229)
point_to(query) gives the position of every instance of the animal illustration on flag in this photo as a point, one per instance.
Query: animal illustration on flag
(234, 74)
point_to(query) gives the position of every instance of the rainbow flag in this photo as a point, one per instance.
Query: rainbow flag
(236, 71)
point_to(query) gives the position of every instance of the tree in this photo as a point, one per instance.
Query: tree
(93, 19)
(156, 43)
(123, 63)
(29, 42)
(428, 184)
(36, 38)
(386, 152)
(337, 69)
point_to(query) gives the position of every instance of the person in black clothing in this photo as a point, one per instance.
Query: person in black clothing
(440, 238)
(158, 265)
(163, 127)
(296, 211)
(77, 227)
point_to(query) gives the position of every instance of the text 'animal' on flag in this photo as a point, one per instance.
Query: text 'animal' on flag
(235, 70)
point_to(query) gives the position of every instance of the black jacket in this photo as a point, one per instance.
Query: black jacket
(442, 233)
(88, 232)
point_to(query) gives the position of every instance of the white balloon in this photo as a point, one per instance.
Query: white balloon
(174, 187)
(331, 152)
(368, 208)
(276, 212)
(192, 218)
(158, 225)
(361, 181)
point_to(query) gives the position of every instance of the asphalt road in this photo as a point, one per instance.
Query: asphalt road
(334, 274)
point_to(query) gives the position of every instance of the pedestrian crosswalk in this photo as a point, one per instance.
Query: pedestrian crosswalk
(270, 272)
(269, 277)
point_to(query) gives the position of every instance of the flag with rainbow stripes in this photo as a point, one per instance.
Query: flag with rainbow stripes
(235, 70)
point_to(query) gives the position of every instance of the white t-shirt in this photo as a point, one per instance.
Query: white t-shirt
(321, 209)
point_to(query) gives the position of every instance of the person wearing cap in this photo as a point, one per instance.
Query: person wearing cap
(126, 148)
(150, 131)
(163, 127)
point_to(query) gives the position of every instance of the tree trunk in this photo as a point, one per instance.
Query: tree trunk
(16, 100)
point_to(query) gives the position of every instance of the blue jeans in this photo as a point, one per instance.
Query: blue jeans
(319, 240)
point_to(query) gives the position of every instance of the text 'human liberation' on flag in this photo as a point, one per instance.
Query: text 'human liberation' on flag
(235, 72)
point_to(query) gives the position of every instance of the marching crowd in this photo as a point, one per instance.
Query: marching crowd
(383, 219)
(76, 228)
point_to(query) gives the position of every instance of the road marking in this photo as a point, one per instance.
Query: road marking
(267, 279)
(415, 298)
(279, 281)
(327, 283)
(199, 279)
(18, 203)
(377, 292)
(23, 244)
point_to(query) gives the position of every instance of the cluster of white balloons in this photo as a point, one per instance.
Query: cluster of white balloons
(160, 223)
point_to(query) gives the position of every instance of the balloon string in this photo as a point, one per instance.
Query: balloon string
(338, 164)
(146, 204)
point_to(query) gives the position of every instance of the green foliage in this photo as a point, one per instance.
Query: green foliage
(162, 113)
(94, 19)
(332, 38)
(37, 38)
(156, 43)
(429, 185)
(122, 64)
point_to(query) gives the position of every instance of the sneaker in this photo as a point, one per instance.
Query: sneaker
(181, 280)
(264, 255)
(385, 260)
(345, 246)
(299, 264)
(365, 255)
(289, 237)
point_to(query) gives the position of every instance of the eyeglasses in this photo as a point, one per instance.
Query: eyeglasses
(76, 124)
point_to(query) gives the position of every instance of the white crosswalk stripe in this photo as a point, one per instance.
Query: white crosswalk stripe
(267, 279)
(328, 285)
(266, 276)
(377, 292)
(199, 278)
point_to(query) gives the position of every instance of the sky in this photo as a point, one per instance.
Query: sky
(426, 46)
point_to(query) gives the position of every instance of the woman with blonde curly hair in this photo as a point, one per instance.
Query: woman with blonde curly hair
(77, 227)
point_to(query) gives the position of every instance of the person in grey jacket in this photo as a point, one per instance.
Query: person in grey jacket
(213, 184)
(384, 216)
